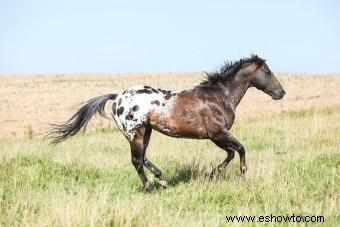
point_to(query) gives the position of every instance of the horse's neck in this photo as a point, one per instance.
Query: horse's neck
(234, 92)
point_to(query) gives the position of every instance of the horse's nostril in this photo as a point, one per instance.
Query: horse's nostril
(283, 92)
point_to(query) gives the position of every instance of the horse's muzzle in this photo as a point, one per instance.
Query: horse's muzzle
(278, 94)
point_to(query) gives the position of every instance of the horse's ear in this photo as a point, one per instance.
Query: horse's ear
(258, 61)
(254, 57)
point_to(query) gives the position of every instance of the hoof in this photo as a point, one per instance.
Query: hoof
(148, 188)
(163, 183)
(242, 177)
(211, 172)
(243, 170)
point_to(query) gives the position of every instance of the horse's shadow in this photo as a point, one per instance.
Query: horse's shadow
(184, 173)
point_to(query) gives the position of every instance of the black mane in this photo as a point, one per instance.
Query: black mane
(229, 70)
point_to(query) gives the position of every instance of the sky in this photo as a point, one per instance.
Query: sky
(66, 36)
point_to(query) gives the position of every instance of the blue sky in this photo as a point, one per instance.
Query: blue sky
(67, 36)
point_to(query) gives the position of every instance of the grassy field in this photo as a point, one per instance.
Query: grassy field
(293, 157)
(293, 160)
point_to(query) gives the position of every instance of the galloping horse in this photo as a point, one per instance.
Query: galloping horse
(207, 111)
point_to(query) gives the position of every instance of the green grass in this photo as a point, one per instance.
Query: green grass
(293, 168)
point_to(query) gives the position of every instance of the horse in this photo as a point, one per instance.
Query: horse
(206, 111)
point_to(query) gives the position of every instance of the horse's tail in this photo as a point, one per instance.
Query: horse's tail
(79, 120)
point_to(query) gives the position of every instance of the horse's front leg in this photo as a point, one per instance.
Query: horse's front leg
(230, 156)
(228, 143)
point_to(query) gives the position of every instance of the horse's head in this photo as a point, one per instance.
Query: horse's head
(263, 79)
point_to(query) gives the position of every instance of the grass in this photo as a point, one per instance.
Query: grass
(293, 160)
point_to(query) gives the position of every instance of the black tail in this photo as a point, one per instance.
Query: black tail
(80, 119)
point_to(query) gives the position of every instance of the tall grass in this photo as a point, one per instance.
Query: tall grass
(293, 160)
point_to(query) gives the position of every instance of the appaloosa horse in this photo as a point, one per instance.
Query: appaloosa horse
(207, 111)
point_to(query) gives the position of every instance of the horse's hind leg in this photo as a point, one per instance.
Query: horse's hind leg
(154, 170)
(138, 153)
(228, 143)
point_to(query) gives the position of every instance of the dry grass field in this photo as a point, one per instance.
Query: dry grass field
(292, 151)
(30, 103)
